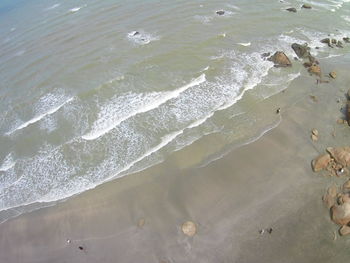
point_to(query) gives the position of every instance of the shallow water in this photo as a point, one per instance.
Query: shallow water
(94, 90)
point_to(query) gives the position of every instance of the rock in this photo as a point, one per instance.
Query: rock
(348, 112)
(344, 230)
(315, 132)
(321, 162)
(346, 185)
(220, 12)
(334, 41)
(306, 6)
(307, 64)
(136, 33)
(280, 59)
(314, 137)
(141, 222)
(292, 9)
(189, 228)
(265, 55)
(315, 69)
(344, 198)
(314, 98)
(341, 155)
(339, 44)
(341, 213)
(333, 74)
(346, 39)
(330, 196)
(278, 111)
(302, 51)
(327, 41)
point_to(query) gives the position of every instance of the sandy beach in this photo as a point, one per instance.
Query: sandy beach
(264, 185)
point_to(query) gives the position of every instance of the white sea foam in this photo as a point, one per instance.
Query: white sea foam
(53, 7)
(109, 118)
(38, 117)
(8, 163)
(75, 9)
(141, 37)
(203, 19)
(245, 44)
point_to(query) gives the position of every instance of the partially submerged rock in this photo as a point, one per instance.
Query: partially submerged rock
(341, 213)
(333, 74)
(280, 59)
(302, 51)
(341, 155)
(346, 39)
(220, 12)
(315, 69)
(321, 162)
(344, 230)
(292, 9)
(189, 228)
(306, 6)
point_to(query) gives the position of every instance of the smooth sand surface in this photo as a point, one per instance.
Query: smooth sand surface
(265, 184)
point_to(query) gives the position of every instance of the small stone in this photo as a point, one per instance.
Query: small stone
(306, 6)
(220, 12)
(189, 228)
(278, 111)
(314, 137)
(315, 132)
(344, 230)
(292, 9)
(141, 222)
(136, 33)
(333, 74)
(269, 230)
(341, 214)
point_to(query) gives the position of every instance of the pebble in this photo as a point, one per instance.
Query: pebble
(189, 228)
(333, 74)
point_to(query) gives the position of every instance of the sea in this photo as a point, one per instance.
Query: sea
(92, 90)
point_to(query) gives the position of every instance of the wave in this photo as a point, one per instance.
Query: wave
(75, 9)
(8, 163)
(245, 44)
(38, 118)
(53, 7)
(106, 122)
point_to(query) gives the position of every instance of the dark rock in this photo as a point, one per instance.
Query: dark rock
(317, 47)
(265, 55)
(291, 9)
(220, 12)
(346, 39)
(327, 41)
(339, 44)
(136, 33)
(302, 51)
(280, 59)
(307, 64)
(306, 6)
(334, 41)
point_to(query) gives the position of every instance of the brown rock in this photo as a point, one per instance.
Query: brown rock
(189, 228)
(346, 185)
(306, 6)
(321, 162)
(333, 74)
(315, 69)
(344, 230)
(280, 59)
(341, 214)
(344, 198)
(330, 196)
(314, 137)
(341, 155)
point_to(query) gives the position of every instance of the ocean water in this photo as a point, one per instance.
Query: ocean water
(94, 90)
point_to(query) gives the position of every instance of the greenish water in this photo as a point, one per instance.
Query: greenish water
(94, 90)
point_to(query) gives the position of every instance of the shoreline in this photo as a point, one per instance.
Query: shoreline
(265, 184)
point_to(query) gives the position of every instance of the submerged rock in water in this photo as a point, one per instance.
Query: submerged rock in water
(302, 51)
(346, 39)
(321, 162)
(280, 59)
(189, 228)
(344, 230)
(292, 9)
(341, 213)
(220, 12)
(341, 155)
(306, 6)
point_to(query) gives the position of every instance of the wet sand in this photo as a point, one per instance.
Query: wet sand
(265, 184)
